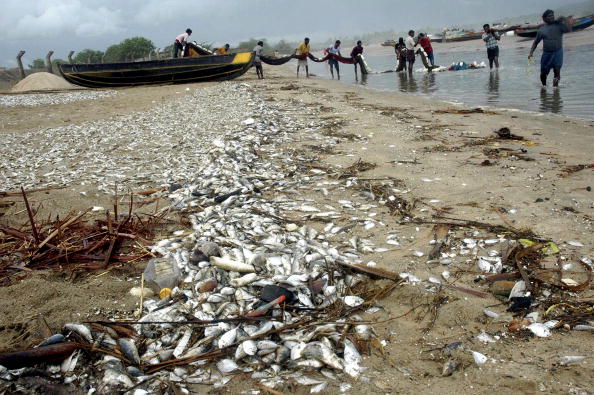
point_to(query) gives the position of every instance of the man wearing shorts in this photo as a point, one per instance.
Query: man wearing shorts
(551, 34)
(490, 37)
(303, 49)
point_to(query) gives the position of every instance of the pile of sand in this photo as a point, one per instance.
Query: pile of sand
(42, 81)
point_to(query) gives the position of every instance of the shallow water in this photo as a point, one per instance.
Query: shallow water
(514, 85)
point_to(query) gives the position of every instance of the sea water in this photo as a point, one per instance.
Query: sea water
(515, 85)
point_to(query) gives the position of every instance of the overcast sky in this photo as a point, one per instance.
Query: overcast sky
(63, 25)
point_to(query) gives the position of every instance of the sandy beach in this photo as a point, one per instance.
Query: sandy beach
(442, 163)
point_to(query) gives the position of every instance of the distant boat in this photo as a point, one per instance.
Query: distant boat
(578, 24)
(389, 43)
(456, 35)
(166, 71)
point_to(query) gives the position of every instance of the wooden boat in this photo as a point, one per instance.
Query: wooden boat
(578, 24)
(167, 71)
(463, 35)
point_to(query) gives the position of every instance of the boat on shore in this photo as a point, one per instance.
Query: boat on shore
(153, 72)
(456, 36)
(577, 24)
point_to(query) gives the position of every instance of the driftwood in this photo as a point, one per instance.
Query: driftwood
(34, 356)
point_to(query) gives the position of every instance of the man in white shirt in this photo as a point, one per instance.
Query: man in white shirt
(334, 51)
(180, 42)
(410, 50)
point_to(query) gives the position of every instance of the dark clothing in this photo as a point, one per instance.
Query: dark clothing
(551, 60)
(426, 44)
(410, 55)
(177, 47)
(357, 50)
(552, 36)
(492, 53)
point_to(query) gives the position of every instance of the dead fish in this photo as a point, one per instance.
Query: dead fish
(81, 330)
(232, 266)
(183, 343)
(250, 347)
(228, 338)
(323, 353)
(245, 280)
(352, 359)
(227, 366)
(129, 349)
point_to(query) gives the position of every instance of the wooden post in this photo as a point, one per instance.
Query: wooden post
(103, 58)
(70, 56)
(158, 54)
(48, 62)
(148, 55)
(20, 62)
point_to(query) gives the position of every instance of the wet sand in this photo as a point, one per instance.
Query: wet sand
(437, 157)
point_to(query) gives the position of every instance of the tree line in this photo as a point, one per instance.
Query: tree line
(138, 47)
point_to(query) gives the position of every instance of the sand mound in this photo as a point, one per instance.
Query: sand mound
(42, 81)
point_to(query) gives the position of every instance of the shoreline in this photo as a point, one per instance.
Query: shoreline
(436, 162)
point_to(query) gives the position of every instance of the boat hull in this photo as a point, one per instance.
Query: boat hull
(578, 24)
(168, 71)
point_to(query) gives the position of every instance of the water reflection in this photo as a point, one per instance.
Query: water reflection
(551, 102)
(493, 87)
(407, 82)
(429, 83)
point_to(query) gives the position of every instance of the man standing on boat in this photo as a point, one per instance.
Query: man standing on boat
(551, 34)
(357, 50)
(490, 37)
(303, 50)
(410, 50)
(224, 50)
(180, 42)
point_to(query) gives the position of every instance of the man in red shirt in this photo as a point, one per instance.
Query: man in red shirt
(425, 42)
(358, 50)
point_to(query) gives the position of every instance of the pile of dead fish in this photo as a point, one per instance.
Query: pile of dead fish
(272, 288)
(41, 99)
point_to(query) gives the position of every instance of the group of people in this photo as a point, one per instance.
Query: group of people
(551, 34)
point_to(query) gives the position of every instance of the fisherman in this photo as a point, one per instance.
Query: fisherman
(552, 53)
(425, 43)
(357, 50)
(400, 50)
(490, 37)
(410, 50)
(180, 42)
(257, 61)
(303, 50)
(334, 51)
(224, 50)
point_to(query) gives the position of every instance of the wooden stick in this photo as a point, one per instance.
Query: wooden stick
(33, 228)
(60, 228)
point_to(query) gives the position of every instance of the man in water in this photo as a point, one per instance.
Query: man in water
(257, 61)
(180, 42)
(400, 50)
(410, 50)
(334, 51)
(551, 34)
(224, 50)
(357, 50)
(425, 43)
(490, 37)
(303, 49)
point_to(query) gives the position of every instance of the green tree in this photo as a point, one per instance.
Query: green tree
(114, 53)
(37, 64)
(88, 56)
(284, 47)
(136, 47)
